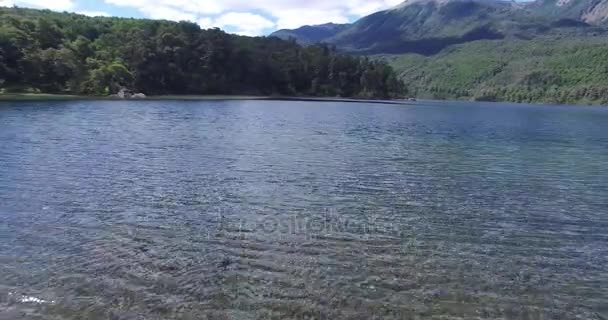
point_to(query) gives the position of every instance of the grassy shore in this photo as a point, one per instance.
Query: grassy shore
(63, 97)
(38, 97)
(46, 97)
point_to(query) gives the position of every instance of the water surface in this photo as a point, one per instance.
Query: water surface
(270, 209)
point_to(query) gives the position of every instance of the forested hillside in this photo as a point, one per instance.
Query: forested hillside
(50, 52)
(552, 51)
(571, 71)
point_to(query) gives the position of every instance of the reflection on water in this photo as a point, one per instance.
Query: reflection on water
(256, 210)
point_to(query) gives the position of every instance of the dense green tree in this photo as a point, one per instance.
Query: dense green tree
(13, 43)
(60, 52)
(108, 78)
(51, 69)
(47, 34)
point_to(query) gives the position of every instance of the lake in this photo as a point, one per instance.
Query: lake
(317, 210)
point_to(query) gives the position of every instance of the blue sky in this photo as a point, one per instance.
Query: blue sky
(247, 17)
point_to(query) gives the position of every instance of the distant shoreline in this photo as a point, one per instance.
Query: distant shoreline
(62, 97)
(67, 97)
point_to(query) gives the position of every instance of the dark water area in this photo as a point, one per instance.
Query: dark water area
(302, 210)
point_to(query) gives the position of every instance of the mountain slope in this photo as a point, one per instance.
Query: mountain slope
(311, 34)
(425, 26)
(593, 12)
(429, 26)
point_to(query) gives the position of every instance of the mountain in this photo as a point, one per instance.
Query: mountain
(424, 26)
(428, 26)
(594, 12)
(311, 34)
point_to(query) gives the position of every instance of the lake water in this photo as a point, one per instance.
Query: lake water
(270, 209)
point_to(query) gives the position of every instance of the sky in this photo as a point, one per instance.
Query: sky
(245, 17)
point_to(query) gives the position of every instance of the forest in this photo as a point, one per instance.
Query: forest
(43, 51)
(564, 70)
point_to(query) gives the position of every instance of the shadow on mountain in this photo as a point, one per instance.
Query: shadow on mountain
(569, 23)
(431, 46)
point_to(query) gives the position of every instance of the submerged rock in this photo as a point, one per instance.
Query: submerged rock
(225, 263)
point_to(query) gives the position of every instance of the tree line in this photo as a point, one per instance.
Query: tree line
(51, 52)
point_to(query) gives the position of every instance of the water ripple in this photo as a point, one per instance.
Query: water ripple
(256, 210)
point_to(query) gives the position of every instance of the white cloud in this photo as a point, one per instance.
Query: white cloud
(206, 23)
(94, 13)
(363, 8)
(247, 24)
(168, 13)
(191, 6)
(293, 18)
(262, 15)
(6, 3)
(57, 5)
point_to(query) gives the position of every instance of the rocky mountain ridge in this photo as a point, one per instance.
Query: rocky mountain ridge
(428, 26)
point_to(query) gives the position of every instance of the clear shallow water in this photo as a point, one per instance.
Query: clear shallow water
(247, 210)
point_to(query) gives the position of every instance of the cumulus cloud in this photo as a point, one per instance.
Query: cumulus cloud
(168, 13)
(57, 5)
(363, 8)
(206, 23)
(94, 13)
(253, 17)
(247, 24)
(190, 6)
(294, 18)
